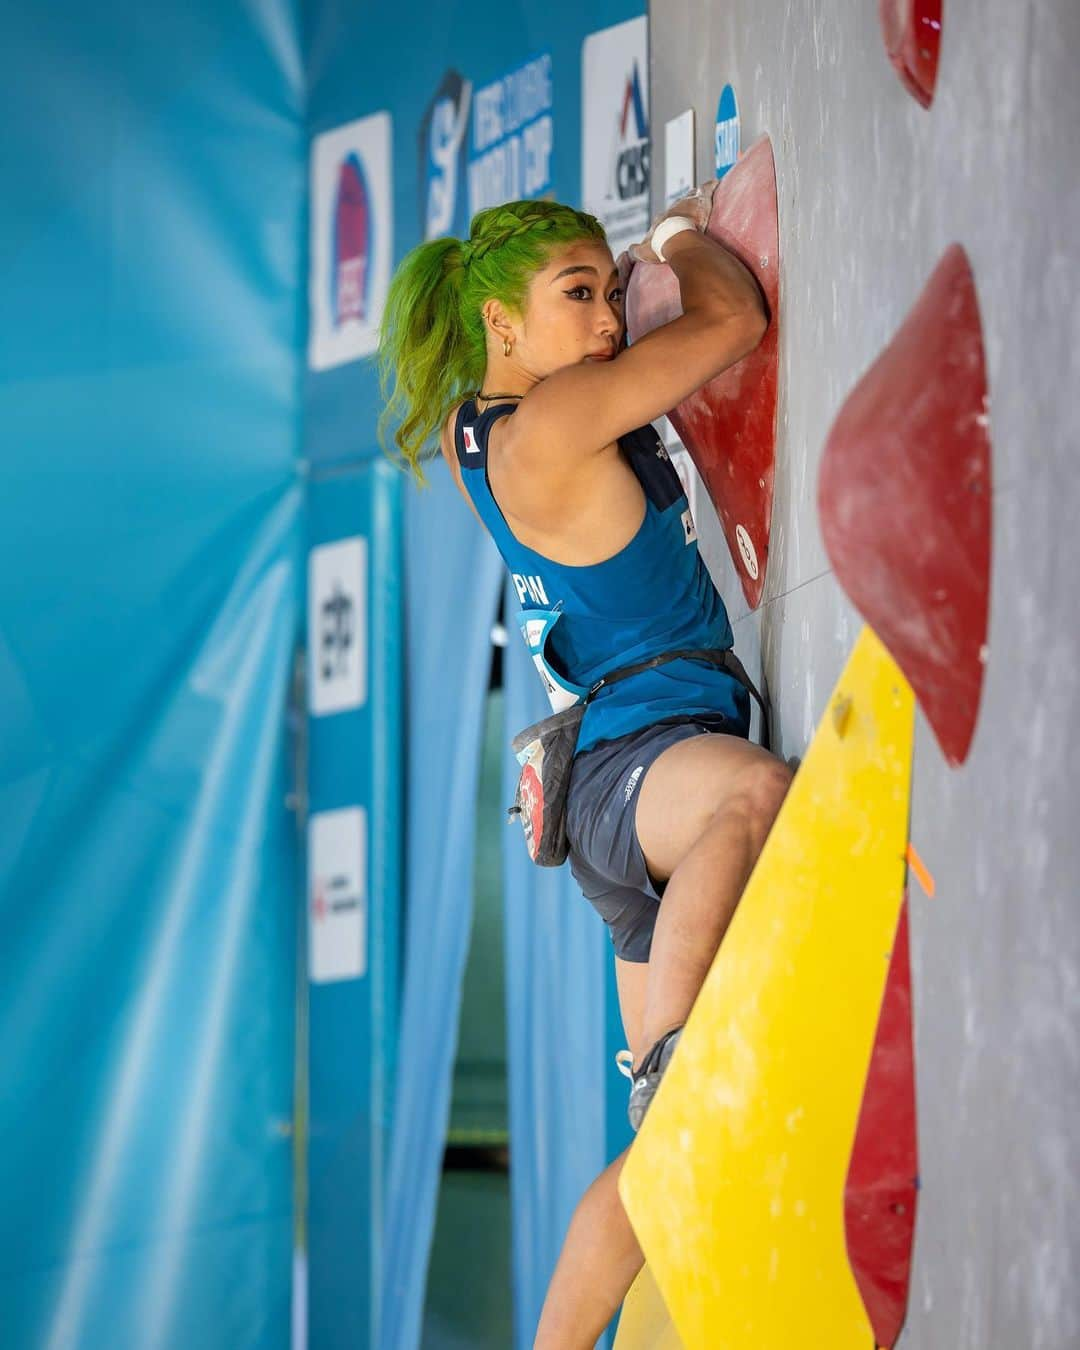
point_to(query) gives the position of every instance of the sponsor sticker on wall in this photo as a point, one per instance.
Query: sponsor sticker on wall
(679, 160)
(351, 239)
(337, 626)
(512, 138)
(727, 134)
(337, 895)
(615, 144)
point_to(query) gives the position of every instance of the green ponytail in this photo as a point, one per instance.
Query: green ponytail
(431, 339)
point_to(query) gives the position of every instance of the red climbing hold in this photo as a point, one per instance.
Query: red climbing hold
(729, 425)
(904, 500)
(912, 30)
(882, 1181)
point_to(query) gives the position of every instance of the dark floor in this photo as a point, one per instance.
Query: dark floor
(468, 1296)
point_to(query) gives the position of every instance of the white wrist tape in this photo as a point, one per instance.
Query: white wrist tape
(663, 232)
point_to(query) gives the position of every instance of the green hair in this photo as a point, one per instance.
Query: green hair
(431, 339)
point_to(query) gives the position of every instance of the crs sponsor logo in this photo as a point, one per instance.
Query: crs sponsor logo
(442, 158)
(632, 159)
(632, 782)
(350, 275)
(615, 158)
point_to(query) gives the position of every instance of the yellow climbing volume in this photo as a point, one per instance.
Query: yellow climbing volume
(735, 1184)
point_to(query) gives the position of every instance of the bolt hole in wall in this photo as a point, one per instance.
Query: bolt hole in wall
(468, 1302)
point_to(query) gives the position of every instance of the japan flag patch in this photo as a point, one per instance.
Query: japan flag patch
(689, 530)
(471, 448)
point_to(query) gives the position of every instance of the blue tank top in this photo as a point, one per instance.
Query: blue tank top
(653, 596)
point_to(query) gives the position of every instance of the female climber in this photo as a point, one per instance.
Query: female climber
(510, 347)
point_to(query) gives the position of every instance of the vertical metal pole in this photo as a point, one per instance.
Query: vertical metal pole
(297, 802)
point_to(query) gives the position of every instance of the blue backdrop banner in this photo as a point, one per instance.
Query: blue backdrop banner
(151, 545)
(354, 886)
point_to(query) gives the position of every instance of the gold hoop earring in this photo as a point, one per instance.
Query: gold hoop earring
(506, 346)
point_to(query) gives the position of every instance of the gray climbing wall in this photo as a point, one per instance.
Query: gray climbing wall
(872, 189)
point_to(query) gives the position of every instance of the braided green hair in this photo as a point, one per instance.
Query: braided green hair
(432, 351)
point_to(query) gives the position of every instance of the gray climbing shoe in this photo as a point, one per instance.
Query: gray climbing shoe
(646, 1079)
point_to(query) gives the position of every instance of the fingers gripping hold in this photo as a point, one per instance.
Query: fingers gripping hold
(695, 206)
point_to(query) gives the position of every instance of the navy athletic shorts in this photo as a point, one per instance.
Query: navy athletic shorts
(605, 856)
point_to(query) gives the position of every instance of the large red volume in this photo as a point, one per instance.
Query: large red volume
(904, 500)
(882, 1181)
(912, 30)
(729, 425)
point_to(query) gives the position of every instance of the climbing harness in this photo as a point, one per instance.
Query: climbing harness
(546, 751)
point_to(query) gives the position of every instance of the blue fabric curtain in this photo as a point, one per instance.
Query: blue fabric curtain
(151, 545)
(556, 946)
(452, 578)
(557, 952)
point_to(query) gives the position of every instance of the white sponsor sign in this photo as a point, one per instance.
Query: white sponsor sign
(351, 239)
(337, 895)
(680, 174)
(337, 626)
(615, 143)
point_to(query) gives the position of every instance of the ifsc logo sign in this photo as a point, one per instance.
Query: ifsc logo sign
(351, 240)
(442, 158)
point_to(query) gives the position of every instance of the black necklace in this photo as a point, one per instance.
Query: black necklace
(489, 397)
